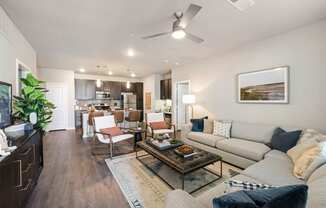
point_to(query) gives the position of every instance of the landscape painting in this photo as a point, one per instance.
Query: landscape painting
(265, 86)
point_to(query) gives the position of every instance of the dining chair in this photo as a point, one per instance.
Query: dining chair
(158, 117)
(104, 122)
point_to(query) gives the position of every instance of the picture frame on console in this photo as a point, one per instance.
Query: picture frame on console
(264, 86)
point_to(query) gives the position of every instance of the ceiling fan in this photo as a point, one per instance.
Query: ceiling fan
(180, 24)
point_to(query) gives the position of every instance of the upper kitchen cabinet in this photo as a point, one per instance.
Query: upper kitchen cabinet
(166, 89)
(125, 89)
(115, 89)
(85, 89)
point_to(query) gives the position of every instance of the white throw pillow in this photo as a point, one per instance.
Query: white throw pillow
(222, 128)
(312, 134)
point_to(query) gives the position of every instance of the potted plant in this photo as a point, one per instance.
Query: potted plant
(33, 101)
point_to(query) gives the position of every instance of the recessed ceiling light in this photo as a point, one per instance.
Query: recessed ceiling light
(130, 52)
(82, 70)
(179, 34)
(177, 63)
(133, 75)
(110, 73)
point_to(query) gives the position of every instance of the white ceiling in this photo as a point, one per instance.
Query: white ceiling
(70, 34)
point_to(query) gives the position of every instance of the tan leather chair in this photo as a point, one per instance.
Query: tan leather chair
(133, 117)
(119, 117)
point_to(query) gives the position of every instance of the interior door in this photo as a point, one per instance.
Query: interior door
(58, 95)
(182, 89)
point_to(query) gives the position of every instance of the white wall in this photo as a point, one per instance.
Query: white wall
(67, 77)
(304, 50)
(13, 46)
(152, 84)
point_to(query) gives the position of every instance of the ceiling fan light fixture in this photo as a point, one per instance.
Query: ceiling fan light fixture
(178, 34)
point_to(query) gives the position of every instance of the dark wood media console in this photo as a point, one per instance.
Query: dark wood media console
(20, 170)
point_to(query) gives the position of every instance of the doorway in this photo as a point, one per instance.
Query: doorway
(58, 95)
(182, 88)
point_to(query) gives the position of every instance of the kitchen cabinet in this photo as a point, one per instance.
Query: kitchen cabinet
(165, 89)
(139, 92)
(85, 89)
(20, 170)
(115, 89)
(125, 89)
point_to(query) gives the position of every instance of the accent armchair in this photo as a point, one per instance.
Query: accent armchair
(154, 118)
(105, 122)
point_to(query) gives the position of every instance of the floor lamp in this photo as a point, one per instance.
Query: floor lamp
(189, 100)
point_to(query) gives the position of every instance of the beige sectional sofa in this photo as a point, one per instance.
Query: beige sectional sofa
(247, 148)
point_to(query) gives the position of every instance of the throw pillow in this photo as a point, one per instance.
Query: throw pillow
(280, 197)
(295, 152)
(283, 141)
(309, 161)
(113, 131)
(208, 126)
(312, 134)
(159, 125)
(222, 128)
(198, 124)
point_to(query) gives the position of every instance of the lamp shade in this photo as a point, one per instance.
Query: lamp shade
(189, 99)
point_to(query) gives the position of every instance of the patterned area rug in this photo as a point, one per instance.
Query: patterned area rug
(143, 189)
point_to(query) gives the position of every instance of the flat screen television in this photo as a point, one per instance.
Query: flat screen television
(5, 104)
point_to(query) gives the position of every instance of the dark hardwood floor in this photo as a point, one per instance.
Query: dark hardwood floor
(73, 178)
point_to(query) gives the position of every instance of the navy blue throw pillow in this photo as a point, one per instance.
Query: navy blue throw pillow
(198, 124)
(281, 197)
(283, 141)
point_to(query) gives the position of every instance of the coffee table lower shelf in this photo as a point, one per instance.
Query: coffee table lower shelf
(183, 175)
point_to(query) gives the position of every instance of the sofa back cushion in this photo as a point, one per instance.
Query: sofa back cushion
(254, 132)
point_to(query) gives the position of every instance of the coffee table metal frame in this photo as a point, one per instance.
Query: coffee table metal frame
(183, 173)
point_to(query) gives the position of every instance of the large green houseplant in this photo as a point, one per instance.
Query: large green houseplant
(33, 99)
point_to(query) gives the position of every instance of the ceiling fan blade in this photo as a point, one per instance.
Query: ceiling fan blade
(194, 38)
(191, 12)
(156, 35)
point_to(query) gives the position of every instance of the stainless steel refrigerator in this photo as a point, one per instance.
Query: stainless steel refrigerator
(129, 101)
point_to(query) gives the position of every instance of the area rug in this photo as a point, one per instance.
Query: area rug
(143, 189)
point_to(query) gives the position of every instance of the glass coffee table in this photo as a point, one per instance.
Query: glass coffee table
(181, 166)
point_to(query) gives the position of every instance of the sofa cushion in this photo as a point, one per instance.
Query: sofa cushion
(248, 149)
(208, 139)
(253, 132)
(273, 171)
(276, 154)
(207, 197)
(317, 193)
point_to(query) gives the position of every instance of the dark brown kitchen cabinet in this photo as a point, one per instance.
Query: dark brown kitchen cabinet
(85, 89)
(125, 89)
(115, 89)
(165, 89)
(139, 92)
(20, 170)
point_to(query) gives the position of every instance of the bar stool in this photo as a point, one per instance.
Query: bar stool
(133, 117)
(119, 117)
